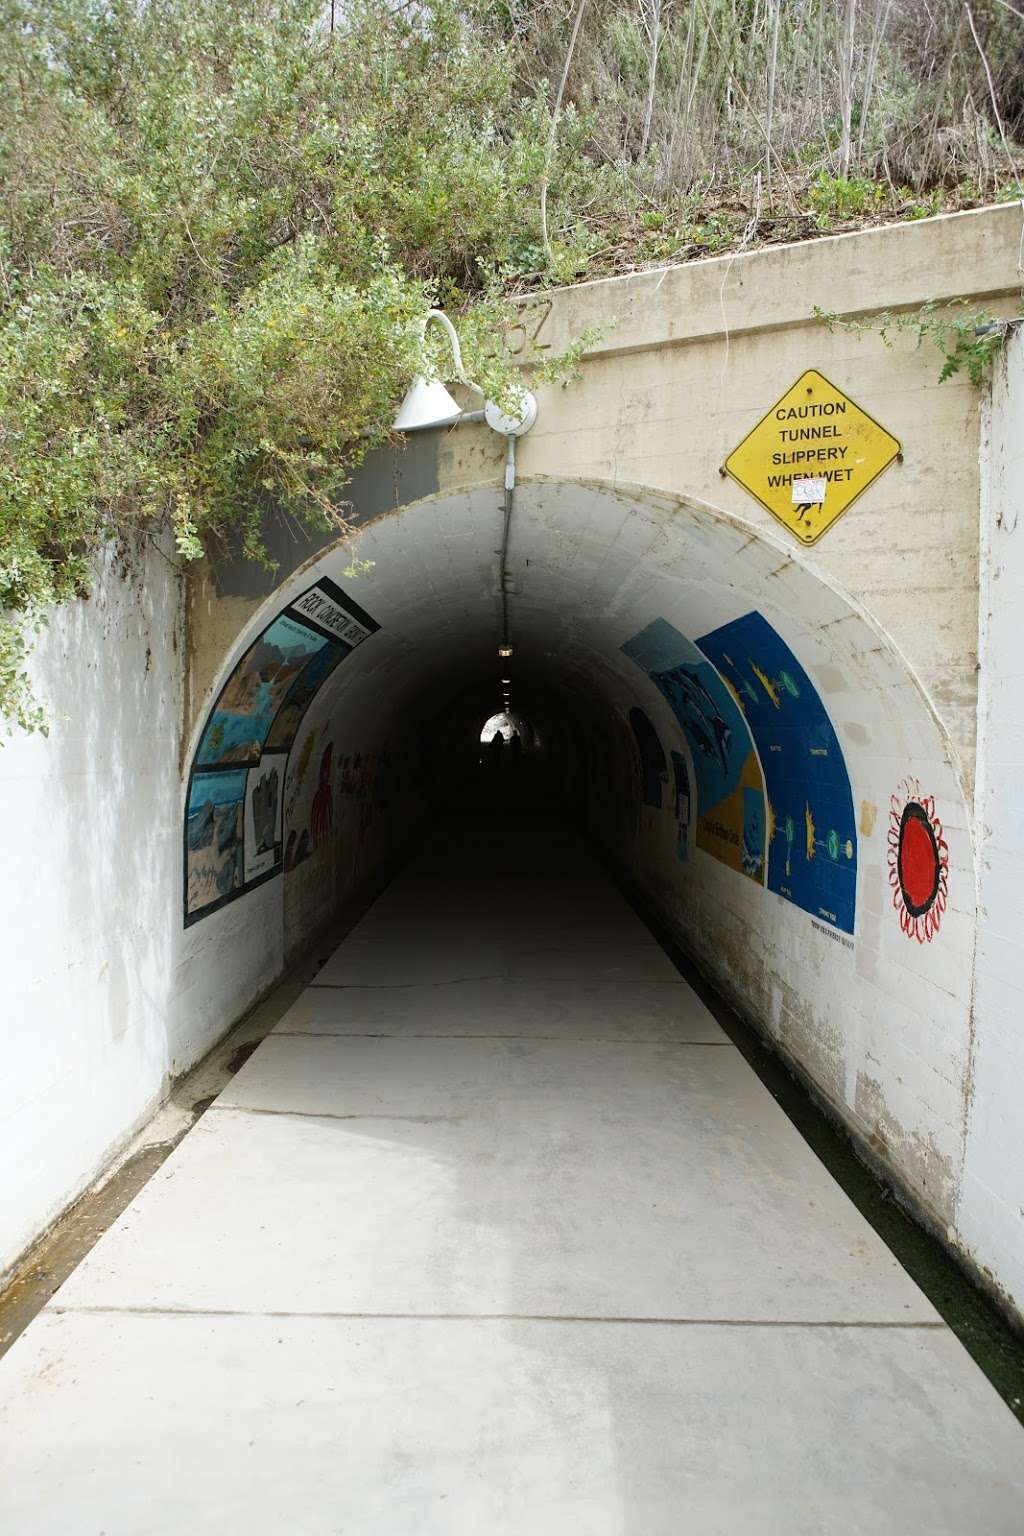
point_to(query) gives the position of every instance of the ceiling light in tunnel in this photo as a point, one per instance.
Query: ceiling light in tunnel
(504, 650)
(506, 679)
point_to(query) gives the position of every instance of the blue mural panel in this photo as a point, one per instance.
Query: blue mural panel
(812, 859)
(730, 789)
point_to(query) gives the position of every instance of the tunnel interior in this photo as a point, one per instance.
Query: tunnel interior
(697, 708)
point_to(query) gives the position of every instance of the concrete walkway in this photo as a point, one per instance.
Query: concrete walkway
(498, 1235)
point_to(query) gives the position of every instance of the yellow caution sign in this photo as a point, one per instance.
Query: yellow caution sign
(811, 456)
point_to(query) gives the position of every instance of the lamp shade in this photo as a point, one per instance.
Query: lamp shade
(426, 405)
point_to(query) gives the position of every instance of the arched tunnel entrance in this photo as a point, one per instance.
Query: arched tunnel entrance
(497, 1230)
(732, 732)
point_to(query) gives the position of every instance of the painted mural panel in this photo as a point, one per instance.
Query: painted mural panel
(812, 858)
(918, 862)
(234, 829)
(300, 695)
(731, 818)
(264, 797)
(214, 850)
(239, 725)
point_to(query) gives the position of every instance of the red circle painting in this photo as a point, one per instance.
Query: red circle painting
(918, 862)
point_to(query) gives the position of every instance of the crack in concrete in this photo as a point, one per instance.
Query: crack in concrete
(326, 1114)
(370, 1034)
(501, 1317)
(458, 981)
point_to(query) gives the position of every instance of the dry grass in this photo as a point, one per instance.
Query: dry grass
(750, 120)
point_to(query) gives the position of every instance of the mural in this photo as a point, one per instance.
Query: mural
(918, 862)
(730, 789)
(263, 815)
(300, 695)
(214, 848)
(239, 725)
(314, 808)
(812, 832)
(773, 797)
(235, 814)
(653, 768)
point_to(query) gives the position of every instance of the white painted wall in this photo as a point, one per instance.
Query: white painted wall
(91, 819)
(991, 1210)
(105, 998)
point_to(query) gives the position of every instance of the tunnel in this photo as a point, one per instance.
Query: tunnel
(489, 1223)
(721, 726)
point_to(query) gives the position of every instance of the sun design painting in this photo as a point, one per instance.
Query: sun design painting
(918, 862)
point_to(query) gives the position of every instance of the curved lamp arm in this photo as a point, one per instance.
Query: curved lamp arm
(430, 405)
(453, 338)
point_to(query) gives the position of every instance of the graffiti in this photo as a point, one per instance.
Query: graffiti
(812, 831)
(681, 779)
(235, 814)
(362, 778)
(729, 784)
(918, 862)
(653, 768)
(366, 779)
(321, 816)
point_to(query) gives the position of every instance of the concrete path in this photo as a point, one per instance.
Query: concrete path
(498, 1235)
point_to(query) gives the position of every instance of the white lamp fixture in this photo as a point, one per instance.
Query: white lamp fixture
(428, 404)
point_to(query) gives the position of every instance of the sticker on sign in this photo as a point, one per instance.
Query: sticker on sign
(809, 493)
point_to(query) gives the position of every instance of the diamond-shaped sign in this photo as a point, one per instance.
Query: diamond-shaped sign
(810, 457)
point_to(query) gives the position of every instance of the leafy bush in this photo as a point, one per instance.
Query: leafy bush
(843, 197)
(223, 226)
